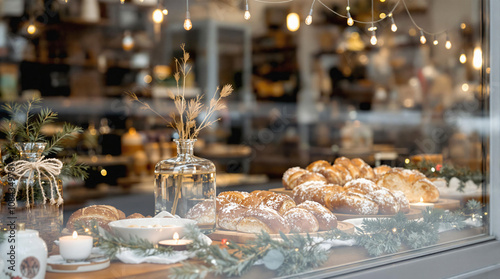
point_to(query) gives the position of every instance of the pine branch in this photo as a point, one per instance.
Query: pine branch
(71, 168)
(68, 132)
(111, 244)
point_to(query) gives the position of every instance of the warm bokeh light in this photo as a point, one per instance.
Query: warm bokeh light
(127, 41)
(463, 58)
(31, 29)
(373, 39)
(447, 44)
(158, 16)
(423, 40)
(188, 24)
(165, 12)
(247, 15)
(350, 21)
(292, 22)
(309, 19)
(477, 58)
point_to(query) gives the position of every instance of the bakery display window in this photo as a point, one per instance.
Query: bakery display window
(357, 146)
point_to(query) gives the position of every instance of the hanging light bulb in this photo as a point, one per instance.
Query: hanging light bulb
(394, 28)
(247, 12)
(309, 17)
(423, 40)
(373, 39)
(158, 16)
(435, 42)
(127, 41)
(477, 58)
(187, 22)
(293, 22)
(463, 58)
(448, 42)
(350, 21)
(165, 11)
(122, 1)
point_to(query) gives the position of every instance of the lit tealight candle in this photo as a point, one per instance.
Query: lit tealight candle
(421, 205)
(176, 243)
(75, 247)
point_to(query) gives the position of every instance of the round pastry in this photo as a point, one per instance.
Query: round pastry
(326, 219)
(260, 219)
(346, 163)
(229, 216)
(203, 212)
(103, 214)
(344, 174)
(308, 191)
(351, 203)
(233, 196)
(331, 174)
(301, 220)
(412, 183)
(387, 203)
(365, 171)
(279, 202)
(296, 176)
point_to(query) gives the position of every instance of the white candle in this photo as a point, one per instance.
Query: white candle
(176, 243)
(421, 205)
(75, 247)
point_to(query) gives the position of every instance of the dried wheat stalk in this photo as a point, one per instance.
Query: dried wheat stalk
(184, 119)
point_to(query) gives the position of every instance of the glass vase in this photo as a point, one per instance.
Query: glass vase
(185, 186)
(46, 218)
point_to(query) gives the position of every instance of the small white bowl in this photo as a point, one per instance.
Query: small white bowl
(152, 229)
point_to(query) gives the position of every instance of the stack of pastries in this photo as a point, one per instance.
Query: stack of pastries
(267, 211)
(352, 186)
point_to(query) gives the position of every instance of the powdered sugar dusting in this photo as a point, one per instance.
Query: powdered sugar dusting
(289, 172)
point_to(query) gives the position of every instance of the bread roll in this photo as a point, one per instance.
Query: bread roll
(233, 196)
(351, 203)
(412, 183)
(346, 163)
(365, 171)
(262, 219)
(203, 212)
(296, 176)
(279, 202)
(300, 220)
(261, 194)
(309, 191)
(230, 215)
(387, 203)
(344, 174)
(103, 214)
(326, 219)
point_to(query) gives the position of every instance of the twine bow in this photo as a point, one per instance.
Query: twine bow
(49, 168)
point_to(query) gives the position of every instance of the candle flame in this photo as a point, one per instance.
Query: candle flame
(75, 235)
(176, 236)
(421, 199)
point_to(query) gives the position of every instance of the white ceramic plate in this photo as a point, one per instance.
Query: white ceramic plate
(152, 229)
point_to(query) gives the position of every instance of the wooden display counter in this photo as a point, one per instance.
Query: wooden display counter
(340, 257)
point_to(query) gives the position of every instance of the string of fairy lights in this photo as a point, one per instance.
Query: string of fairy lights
(293, 21)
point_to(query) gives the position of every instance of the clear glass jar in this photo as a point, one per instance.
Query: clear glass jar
(185, 186)
(46, 218)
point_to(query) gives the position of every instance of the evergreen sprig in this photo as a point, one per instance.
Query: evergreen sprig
(25, 126)
(387, 235)
(287, 255)
(447, 172)
(112, 244)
